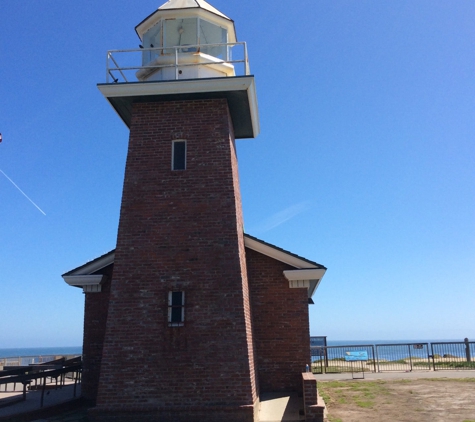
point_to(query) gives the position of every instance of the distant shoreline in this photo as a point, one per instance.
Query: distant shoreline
(77, 350)
(40, 351)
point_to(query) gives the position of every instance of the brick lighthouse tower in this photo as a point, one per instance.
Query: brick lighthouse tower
(178, 342)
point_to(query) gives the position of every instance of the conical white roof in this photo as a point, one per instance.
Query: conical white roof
(186, 4)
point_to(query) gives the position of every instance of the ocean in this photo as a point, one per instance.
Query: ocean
(77, 350)
(40, 351)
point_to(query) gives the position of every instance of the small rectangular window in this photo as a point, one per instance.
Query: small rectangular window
(179, 155)
(176, 309)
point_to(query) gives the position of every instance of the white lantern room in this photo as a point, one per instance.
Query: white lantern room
(186, 39)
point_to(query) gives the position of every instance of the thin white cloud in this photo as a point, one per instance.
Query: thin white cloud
(282, 216)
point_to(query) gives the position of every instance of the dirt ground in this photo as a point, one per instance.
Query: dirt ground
(431, 400)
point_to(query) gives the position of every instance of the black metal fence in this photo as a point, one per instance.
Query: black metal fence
(406, 357)
(453, 355)
(403, 357)
(333, 359)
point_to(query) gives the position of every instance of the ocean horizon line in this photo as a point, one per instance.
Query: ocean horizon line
(72, 350)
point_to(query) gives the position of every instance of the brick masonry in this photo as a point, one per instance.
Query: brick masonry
(95, 317)
(179, 231)
(281, 325)
(245, 330)
(314, 411)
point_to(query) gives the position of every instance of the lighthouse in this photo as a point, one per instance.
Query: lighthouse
(178, 342)
(189, 318)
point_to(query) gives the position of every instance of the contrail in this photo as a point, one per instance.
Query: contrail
(26, 196)
(282, 216)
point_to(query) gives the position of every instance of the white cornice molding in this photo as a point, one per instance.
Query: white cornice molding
(226, 85)
(190, 86)
(305, 278)
(89, 283)
(304, 274)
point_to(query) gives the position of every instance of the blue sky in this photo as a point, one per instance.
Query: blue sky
(365, 161)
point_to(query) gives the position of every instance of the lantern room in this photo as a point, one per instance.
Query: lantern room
(186, 39)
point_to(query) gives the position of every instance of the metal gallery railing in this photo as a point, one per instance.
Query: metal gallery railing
(403, 357)
(124, 65)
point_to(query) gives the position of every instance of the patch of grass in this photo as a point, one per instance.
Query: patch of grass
(342, 400)
(332, 419)
(450, 379)
(468, 365)
(403, 381)
(352, 394)
(364, 404)
(424, 364)
(325, 396)
(392, 362)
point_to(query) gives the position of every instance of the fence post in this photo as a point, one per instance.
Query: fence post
(431, 354)
(467, 350)
(374, 358)
(377, 357)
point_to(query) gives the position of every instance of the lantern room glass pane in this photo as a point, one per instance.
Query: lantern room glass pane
(152, 39)
(213, 34)
(180, 32)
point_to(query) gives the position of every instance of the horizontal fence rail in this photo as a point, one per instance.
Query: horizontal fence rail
(5, 362)
(405, 357)
(125, 65)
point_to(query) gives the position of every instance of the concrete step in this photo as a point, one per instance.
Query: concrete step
(281, 407)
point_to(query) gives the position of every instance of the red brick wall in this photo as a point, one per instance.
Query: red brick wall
(179, 230)
(314, 411)
(95, 316)
(281, 325)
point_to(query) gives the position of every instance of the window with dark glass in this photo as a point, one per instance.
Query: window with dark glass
(176, 309)
(179, 155)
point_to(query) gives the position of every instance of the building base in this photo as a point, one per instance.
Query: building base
(182, 414)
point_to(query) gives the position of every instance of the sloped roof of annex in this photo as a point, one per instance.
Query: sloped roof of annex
(307, 273)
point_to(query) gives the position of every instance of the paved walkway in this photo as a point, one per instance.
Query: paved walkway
(52, 397)
(274, 407)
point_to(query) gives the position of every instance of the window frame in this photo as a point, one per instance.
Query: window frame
(171, 307)
(174, 144)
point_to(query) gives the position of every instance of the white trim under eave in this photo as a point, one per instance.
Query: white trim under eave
(89, 283)
(276, 254)
(189, 86)
(304, 274)
(305, 278)
(94, 266)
